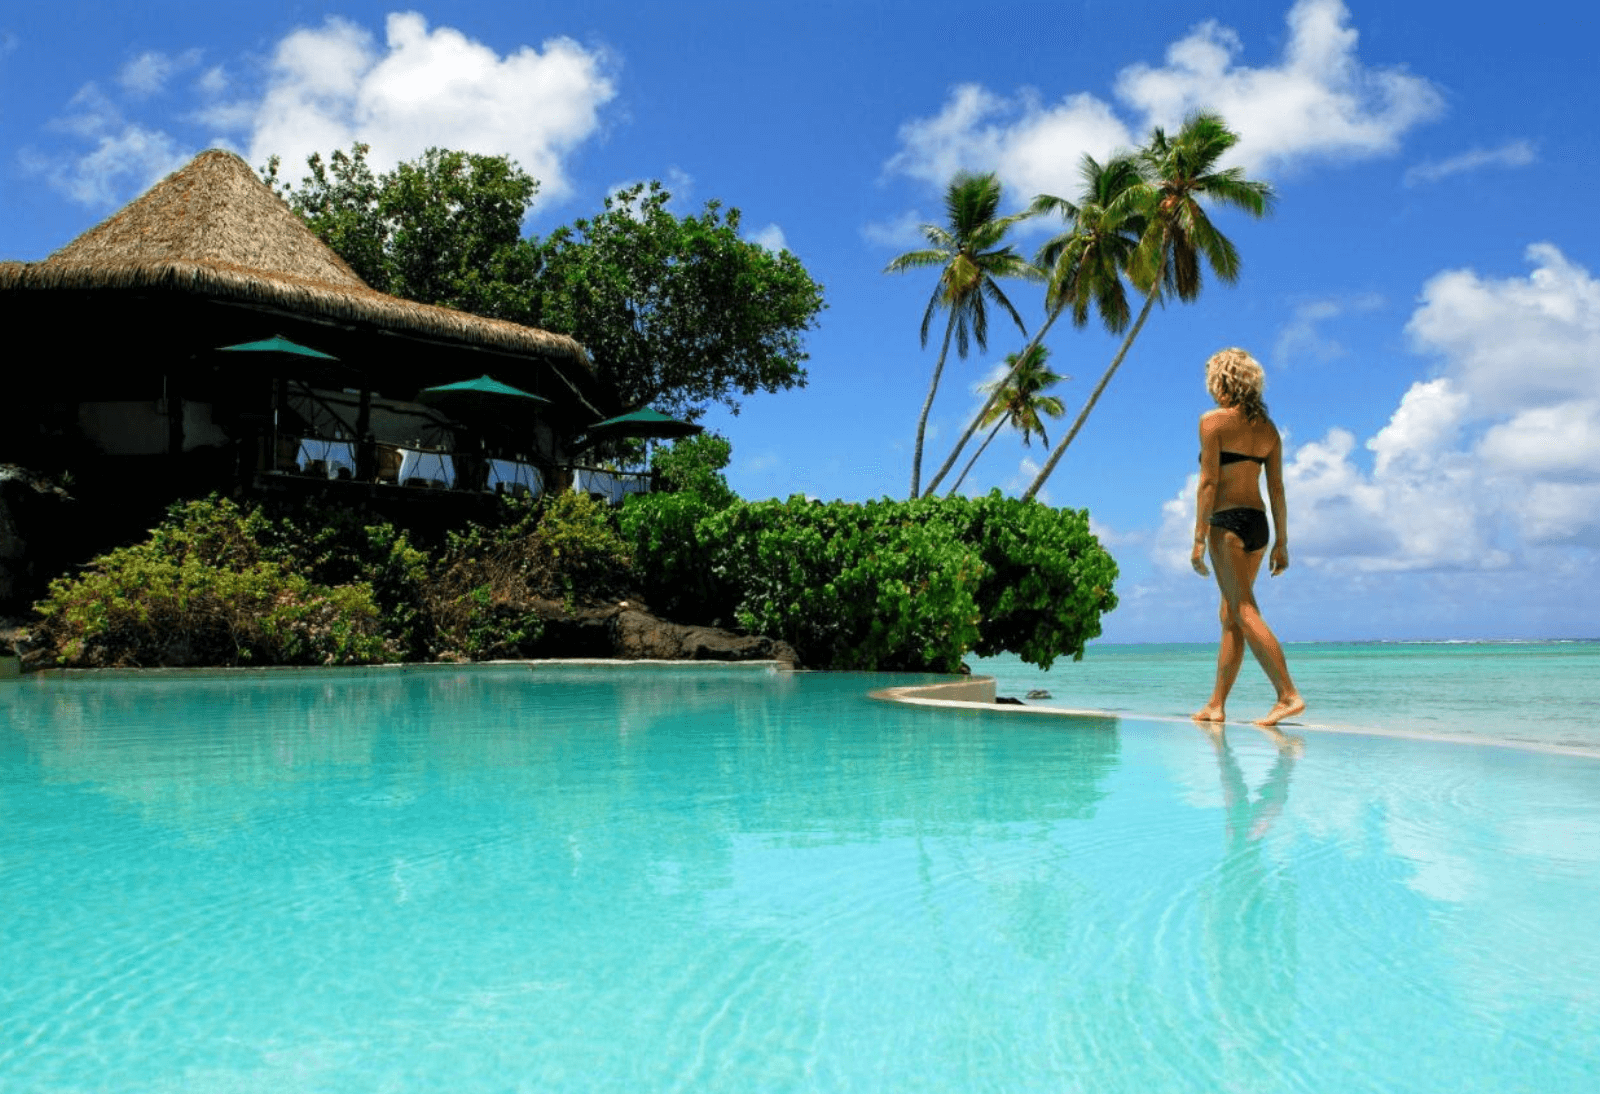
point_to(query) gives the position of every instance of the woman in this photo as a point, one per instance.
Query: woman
(1236, 441)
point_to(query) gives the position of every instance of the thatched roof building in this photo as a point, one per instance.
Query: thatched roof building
(129, 383)
(215, 230)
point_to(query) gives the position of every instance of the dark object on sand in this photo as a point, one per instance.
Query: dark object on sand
(1039, 693)
(1009, 701)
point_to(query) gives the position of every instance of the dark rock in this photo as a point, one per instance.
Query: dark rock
(640, 636)
(632, 634)
(1009, 701)
(32, 524)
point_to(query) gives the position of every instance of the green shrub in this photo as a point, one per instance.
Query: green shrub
(675, 558)
(1047, 580)
(207, 589)
(564, 547)
(884, 585)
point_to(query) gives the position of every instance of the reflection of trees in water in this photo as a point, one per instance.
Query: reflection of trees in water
(1249, 909)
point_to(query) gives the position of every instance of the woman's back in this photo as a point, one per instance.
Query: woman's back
(1243, 448)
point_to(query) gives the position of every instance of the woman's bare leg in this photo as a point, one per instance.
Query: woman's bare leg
(1230, 655)
(1236, 571)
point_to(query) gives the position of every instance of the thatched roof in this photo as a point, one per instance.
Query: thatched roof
(216, 230)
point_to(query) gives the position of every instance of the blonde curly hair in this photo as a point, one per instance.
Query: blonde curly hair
(1235, 379)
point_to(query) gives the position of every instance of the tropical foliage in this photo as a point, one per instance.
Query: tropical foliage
(443, 229)
(693, 465)
(212, 586)
(677, 312)
(971, 255)
(1140, 219)
(881, 585)
(1018, 399)
(224, 583)
(884, 585)
(1176, 235)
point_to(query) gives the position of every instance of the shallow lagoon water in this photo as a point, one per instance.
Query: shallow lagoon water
(681, 879)
(1544, 693)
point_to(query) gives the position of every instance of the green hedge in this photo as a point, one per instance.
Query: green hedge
(880, 585)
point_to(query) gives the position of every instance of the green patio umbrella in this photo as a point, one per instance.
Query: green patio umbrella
(484, 396)
(646, 423)
(278, 344)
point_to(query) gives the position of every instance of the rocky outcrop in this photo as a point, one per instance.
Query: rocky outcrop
(33, 522)
(627, 632)
(640, 636)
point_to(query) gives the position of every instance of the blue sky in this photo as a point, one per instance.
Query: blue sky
(1425, 298)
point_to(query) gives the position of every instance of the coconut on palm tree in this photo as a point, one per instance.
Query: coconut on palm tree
(972, 255)
(1178, 236)
(1018, 399)
(1084, 264)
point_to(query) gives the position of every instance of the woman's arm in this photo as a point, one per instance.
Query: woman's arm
(1280, 509)
(1206, 495)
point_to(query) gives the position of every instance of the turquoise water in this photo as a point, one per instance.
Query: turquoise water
(1527, 692)
(503, 879)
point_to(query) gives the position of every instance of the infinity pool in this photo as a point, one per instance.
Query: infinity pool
(662, 879)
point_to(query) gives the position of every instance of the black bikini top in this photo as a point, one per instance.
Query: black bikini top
(1235, 457)
(1224, 458)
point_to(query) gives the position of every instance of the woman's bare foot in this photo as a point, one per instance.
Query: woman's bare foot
(1211, 712)
(1286, 707)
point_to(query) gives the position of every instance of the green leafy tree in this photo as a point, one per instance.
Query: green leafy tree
(1085, 265)
(1178, 237)
(678, 313)
(693, 465)
(972, 255)
(443, 229)
(1018, 399)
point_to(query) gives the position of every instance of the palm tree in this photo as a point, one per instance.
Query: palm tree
(1018, 399)
(1084, 264)
(1177, 173)
(973, 256)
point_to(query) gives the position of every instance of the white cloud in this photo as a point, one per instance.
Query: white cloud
(1510, 154)
(329, 86)
(148, 73)
(130, 158)
(212, 82)
(1302, 339)
(1035, 148)
(1561, 441)
(1497, 455)
(903, 233)
(90, 112)
(1027, 471)
(771, 237)
(1318, 101)
(1517, 342)
(333, 85)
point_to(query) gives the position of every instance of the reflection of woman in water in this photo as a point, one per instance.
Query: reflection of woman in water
(1249, 907)
(1236, 441)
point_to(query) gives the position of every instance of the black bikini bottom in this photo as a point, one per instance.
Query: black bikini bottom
(1250, 525)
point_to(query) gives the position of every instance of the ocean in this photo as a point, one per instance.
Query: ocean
(1526, 693)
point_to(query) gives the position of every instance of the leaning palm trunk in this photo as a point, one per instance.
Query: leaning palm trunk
(983, 411)
(927, 407)
(1094, 396)
(993, 433)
